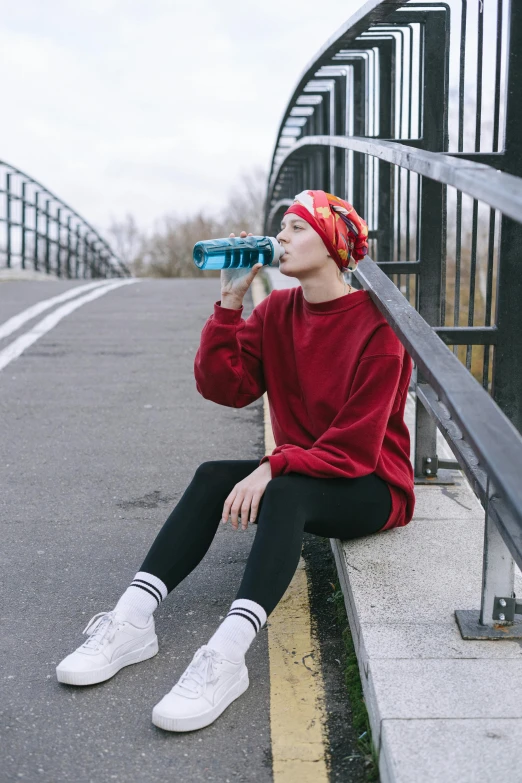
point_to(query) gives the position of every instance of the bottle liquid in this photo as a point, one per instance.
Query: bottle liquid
(236, 252)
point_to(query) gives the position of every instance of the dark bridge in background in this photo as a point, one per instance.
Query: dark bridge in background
(39, 231)
(412, 114)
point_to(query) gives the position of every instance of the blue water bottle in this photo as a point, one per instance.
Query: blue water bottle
(236, 252)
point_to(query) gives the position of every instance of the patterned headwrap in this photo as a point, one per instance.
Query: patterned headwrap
(344, 233)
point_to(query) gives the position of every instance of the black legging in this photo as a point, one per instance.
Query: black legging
(291, 504)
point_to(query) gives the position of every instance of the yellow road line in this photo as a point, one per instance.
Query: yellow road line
(297, 715)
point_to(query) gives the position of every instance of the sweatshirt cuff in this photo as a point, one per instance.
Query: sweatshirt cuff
(277, 463)
(226, 315)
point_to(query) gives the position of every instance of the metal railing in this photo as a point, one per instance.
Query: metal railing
(412, 116)
(39, 231)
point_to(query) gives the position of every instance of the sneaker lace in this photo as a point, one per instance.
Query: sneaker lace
(101, 627)
(203, 669)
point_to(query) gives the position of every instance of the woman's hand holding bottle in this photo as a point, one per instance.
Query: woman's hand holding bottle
(236, 282)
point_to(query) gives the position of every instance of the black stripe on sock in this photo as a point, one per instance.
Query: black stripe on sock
(142, 587)
(244, 609)
(148, 584)
(245, 617)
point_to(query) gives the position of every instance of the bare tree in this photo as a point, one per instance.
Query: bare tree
(127, 241)
(246, 203)
(168, 251)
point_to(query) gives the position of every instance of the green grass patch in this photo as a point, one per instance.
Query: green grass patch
(352, 679)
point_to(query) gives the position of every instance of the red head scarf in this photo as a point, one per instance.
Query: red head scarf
(344, 233)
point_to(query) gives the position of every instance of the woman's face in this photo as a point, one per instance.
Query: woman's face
(305, 251)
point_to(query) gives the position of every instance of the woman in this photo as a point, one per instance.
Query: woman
(337, 378)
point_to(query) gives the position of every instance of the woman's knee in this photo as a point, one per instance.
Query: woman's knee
(282, 496)
(222, 472)
(283, 487)
(210, 468)
(214, 469)
(209, 476)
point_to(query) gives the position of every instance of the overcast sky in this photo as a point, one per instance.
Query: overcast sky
(151, 106)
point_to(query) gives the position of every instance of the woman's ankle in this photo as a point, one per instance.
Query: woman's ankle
(141, 599)
(239, 629)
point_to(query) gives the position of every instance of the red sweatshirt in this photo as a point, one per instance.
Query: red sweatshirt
(336, 376)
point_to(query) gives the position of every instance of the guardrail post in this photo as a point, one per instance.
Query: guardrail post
(59, 242)
(77, 252)
(359, 129)
(47, 236)
(23, 227)
(496, 618)
(8, 217)
(432, 245)
(498, 572)
(68, 259)
(507, 356)
(385, 227)
(429, 290)
(36, 223)
(338, 175)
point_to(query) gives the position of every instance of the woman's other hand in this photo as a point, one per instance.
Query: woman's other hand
(236, 282)
(246, 496)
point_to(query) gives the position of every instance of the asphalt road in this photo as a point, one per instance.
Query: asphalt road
(102, 429)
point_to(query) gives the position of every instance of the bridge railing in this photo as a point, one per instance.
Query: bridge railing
(411, 114)
(39, 231)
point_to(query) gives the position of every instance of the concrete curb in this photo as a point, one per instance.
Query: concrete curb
(441, 709)
(16, 274)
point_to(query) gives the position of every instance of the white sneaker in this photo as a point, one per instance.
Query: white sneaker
(112, 644)
(208, 685)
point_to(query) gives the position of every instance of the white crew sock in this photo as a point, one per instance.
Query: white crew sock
(139, 601)
(238, 630)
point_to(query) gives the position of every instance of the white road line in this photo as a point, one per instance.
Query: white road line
(14, 323)
(19, 345)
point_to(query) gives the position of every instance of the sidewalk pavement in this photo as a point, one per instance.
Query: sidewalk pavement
(442, 709)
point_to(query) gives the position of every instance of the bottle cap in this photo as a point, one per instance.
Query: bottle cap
(278, 249)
